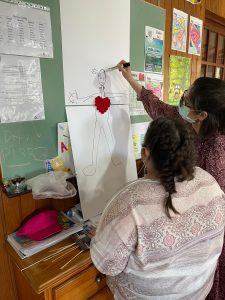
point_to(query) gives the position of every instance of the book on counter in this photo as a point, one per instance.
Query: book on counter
(26, 247)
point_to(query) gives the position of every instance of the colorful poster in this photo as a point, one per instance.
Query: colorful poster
(179, 30)
(154, 41)
(179, 78)
(154, 82)
(138, 134)
(195, 36)
(136, 107)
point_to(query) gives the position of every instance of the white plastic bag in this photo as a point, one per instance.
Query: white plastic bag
(51, 185)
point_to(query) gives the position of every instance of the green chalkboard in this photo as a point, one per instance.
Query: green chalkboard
(24, 146)
(142, 14)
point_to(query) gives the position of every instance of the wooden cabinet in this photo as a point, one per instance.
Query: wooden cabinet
(6, 275)
(83, 286)
(13, 211)
(39, 279)
(34, 278)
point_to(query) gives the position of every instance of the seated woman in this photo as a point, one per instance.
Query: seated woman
(160, 237)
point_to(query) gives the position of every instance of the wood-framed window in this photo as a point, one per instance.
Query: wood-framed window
(213, 47)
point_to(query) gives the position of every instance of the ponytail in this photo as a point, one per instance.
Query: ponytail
(172, 150)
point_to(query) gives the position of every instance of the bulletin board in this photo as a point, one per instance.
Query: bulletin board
(24, 146)
(142, 14)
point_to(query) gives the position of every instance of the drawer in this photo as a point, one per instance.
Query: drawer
(81, 287)
(104, 294)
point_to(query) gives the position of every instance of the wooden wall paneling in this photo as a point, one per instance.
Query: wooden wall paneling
(27, 204)
(43, 203)
(216, 6)
(12, 213)
(64, 204)
(2, 223)
(154, 2)
(68, 203)
(161, 3)
(200, 9)
(58, 204)
(168, 27)
(7, 284)
(8, 291)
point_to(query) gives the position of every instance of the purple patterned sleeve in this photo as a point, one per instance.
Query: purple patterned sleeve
(215, 162)
(155, 107)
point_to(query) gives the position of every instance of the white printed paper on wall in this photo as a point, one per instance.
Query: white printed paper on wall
(21, 97)
(138, 134)
(136, 107)
(97, 101)
(25, 29)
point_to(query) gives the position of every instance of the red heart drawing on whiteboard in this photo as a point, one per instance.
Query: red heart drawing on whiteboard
(102, 104)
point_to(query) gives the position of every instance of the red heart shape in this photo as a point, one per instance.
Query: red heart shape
(102, 104)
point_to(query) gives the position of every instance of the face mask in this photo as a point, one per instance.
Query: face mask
(183, 112)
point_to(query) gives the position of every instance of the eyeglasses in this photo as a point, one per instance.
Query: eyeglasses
(183, 100)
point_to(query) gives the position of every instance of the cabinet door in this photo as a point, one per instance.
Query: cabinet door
(82, 286)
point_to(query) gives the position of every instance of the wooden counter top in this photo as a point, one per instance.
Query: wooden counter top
(42, 274)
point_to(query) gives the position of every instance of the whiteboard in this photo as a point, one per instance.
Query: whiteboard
(103, 154)
(95, 36)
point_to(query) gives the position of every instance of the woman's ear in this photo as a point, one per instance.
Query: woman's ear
(145, 154)
(202, 115)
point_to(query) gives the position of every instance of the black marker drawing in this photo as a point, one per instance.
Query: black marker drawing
(101, 125)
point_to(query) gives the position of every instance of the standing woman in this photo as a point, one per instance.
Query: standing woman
(203, 106)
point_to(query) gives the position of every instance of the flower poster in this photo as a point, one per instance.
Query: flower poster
(154, 47)
(154, 82)
(179, 30)
(179, 78)
(195, 36)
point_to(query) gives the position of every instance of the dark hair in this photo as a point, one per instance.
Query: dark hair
(171, 147)
(208, 94)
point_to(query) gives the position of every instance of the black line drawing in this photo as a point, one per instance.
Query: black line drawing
(101, 125)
